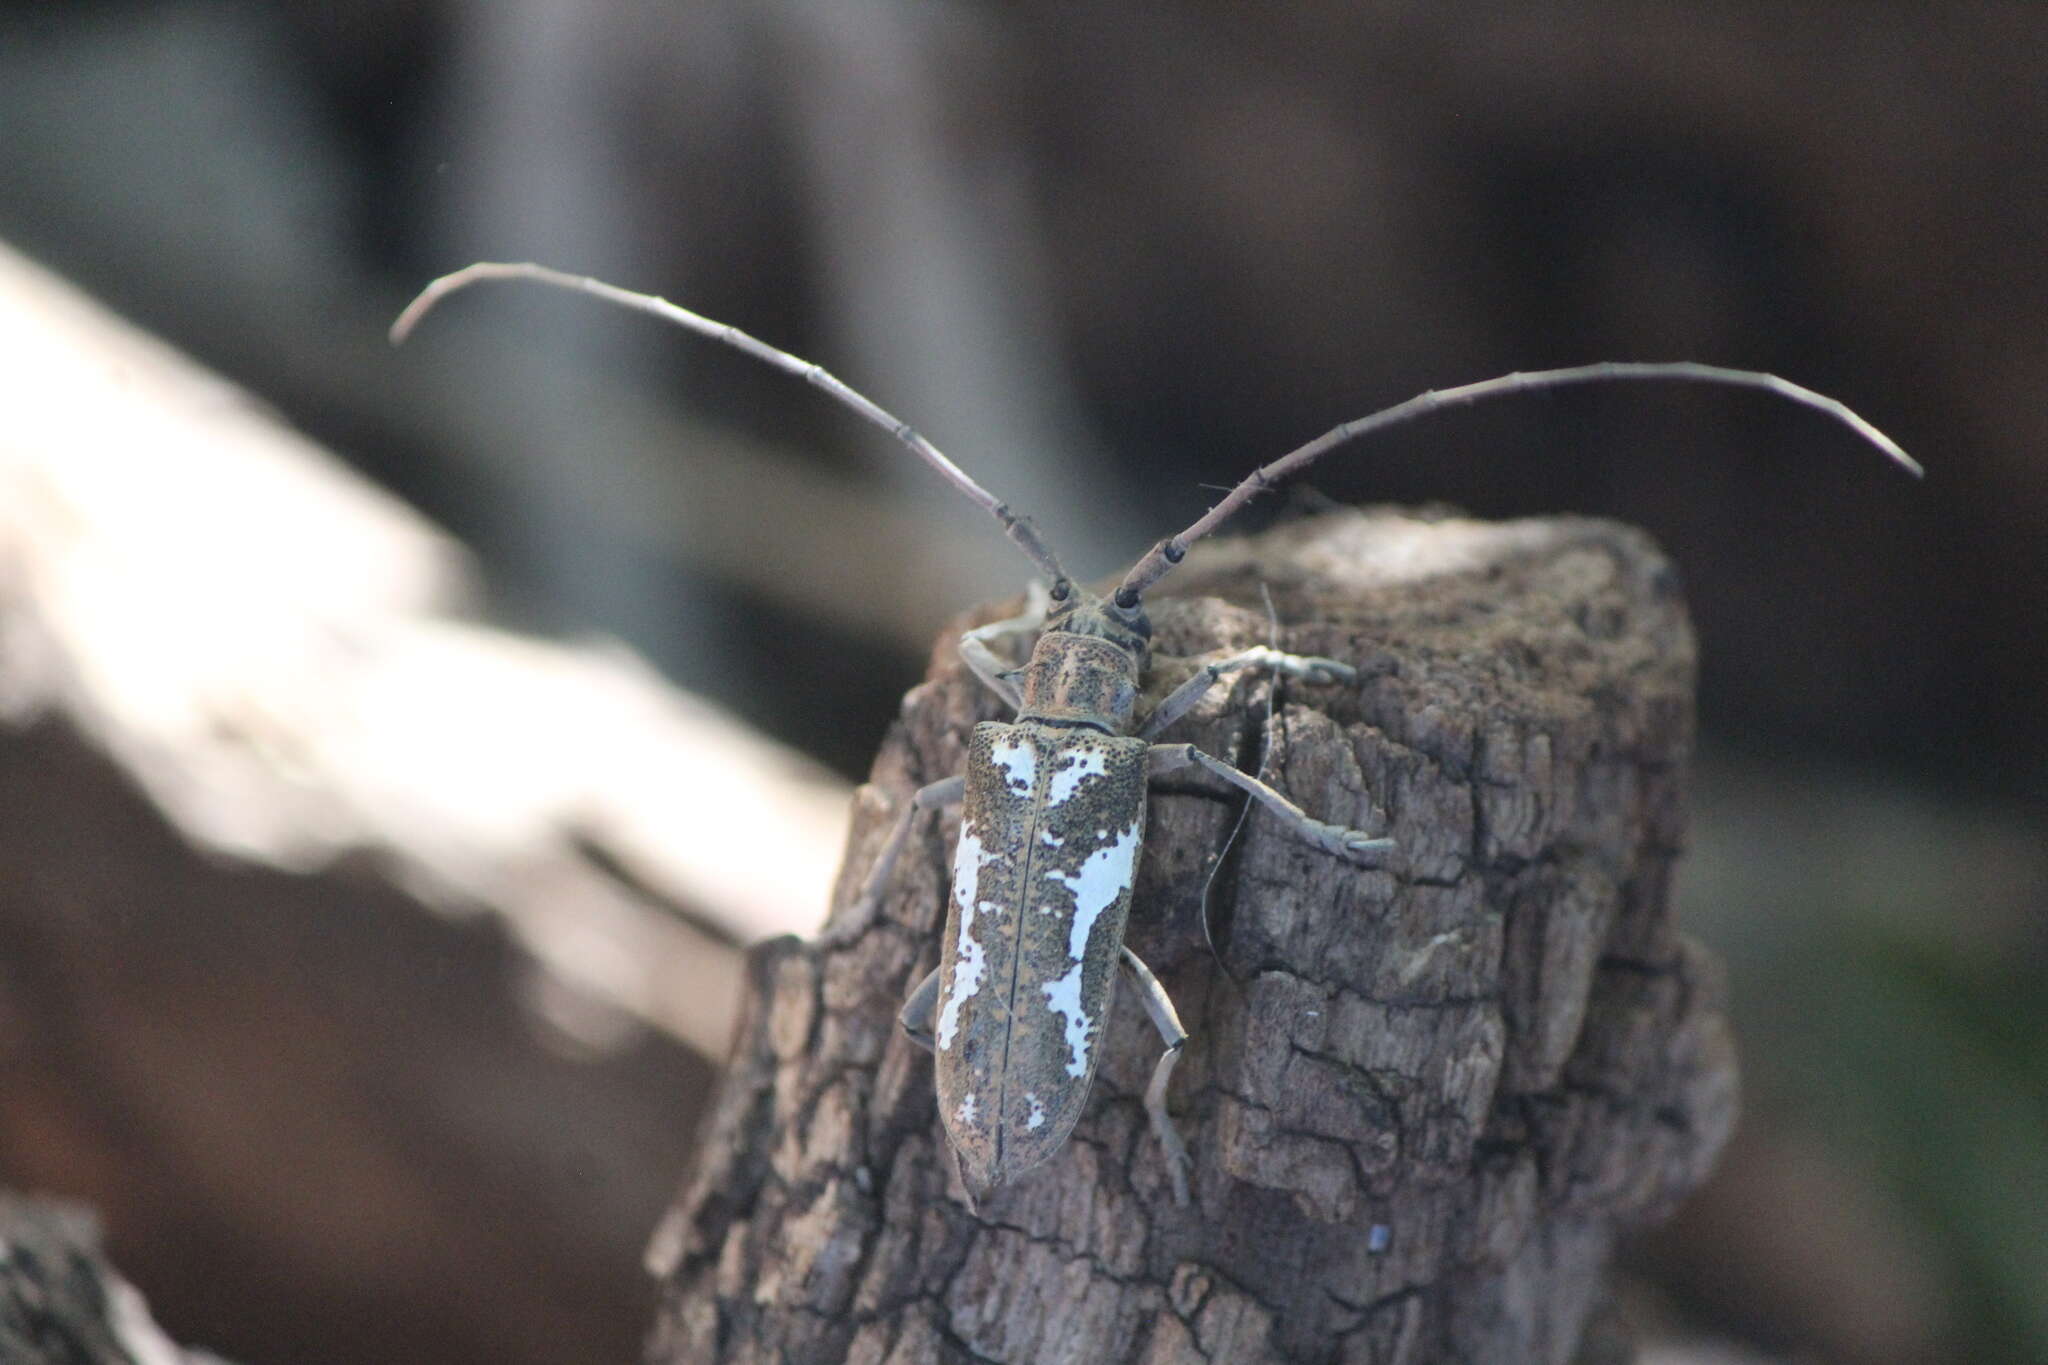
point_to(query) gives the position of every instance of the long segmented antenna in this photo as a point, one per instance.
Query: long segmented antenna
(1021, 530)
(1167, 553)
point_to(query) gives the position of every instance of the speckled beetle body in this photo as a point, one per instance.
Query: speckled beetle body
(1049, 838)
(1054, 802)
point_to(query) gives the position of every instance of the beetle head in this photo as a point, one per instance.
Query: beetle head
(1083, 613)
(1087, 662)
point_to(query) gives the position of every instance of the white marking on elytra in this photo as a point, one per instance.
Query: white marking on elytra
(1066, 779)
(1103, 877)
(969, 963)
(1037, 1116)
(1018, 761)
(1063, 996)
(968, 856)
(966, 1111)
(1049, 839)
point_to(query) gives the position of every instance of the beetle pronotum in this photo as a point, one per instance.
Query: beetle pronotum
(1053, 803)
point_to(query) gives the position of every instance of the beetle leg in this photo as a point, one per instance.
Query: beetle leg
(1159, 1008)
(1345, 843)
(918, 1008)
(993, 670)
(945, 792)
(1183, 698)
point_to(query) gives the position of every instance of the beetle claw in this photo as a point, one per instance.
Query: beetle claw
(1365, 845)
(1355, 844)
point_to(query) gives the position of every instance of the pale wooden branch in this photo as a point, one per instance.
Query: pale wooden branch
(1421, 1101)
(328, 912)
(281, 656)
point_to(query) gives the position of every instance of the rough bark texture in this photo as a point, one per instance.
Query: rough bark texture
(1421, 1101)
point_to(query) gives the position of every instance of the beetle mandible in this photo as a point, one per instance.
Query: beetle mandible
(1053, 802)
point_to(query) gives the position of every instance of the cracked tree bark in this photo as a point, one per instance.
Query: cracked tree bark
(1421, 1101)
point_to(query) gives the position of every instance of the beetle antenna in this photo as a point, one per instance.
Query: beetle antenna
(1167, 553)
(1021, 530)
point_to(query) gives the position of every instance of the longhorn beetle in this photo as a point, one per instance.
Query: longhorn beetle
(1053, 803)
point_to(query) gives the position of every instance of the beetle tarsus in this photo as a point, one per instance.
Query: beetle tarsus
(1360, 846)
(1159, 1009)
(1338, 839)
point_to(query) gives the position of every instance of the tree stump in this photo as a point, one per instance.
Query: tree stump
(1421, 1101)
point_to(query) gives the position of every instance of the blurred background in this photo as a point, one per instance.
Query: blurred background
(1108, 257)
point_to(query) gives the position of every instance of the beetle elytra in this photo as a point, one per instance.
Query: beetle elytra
(1053, 802)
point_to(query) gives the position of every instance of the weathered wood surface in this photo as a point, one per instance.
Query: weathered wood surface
(62, 1304)
(1421, 1101)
